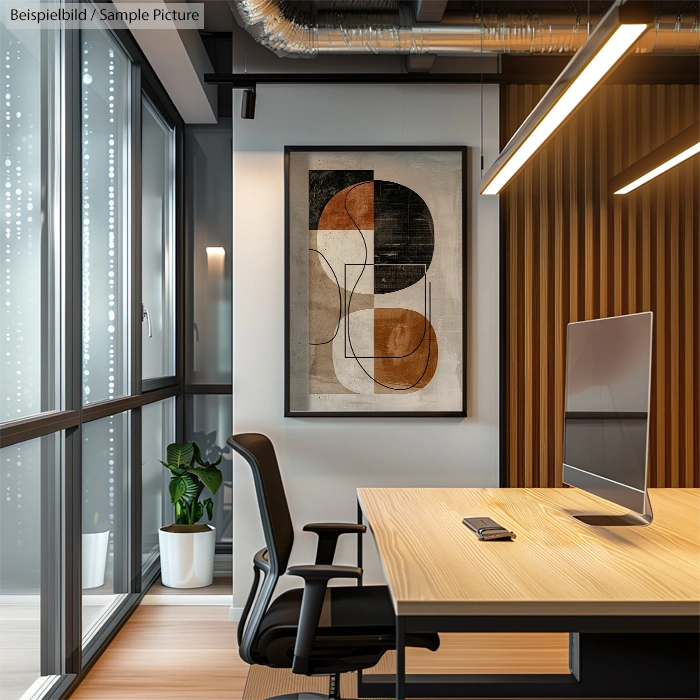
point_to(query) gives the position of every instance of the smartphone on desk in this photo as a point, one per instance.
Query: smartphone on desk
(488, 528)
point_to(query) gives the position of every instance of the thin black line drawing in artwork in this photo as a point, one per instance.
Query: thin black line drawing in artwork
(348, 312)
(340, 298)
(364, 267)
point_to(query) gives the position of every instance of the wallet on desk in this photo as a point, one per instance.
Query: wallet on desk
(488, 529)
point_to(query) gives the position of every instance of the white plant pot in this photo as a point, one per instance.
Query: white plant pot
(187, 558)
(95, 547)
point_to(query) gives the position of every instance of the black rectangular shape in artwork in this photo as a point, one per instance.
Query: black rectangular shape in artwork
(325, 183)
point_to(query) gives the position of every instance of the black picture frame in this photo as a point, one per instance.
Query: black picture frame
(288, 412)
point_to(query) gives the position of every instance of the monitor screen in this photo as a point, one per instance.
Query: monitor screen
(608, 368)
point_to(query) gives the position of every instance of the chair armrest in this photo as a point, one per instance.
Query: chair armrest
(324, 572)
(339, 528)
(328, 534)
(316, 578)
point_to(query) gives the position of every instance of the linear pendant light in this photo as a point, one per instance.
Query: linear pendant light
(673, 152)
(615, 34)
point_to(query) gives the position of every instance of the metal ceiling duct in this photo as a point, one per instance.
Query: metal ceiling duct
(389, 27)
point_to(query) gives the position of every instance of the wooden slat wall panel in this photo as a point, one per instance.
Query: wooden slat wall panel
(574, 252)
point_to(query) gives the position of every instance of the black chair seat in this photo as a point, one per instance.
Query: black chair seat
(357, 627)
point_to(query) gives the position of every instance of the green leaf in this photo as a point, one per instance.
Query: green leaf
(180, 453)
(182, 488)
(191, 488)
(209, 505)
(198, 513)
(177, 488)
(210, 477)
(175, 470)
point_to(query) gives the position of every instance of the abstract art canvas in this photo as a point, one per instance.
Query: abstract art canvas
(375, 281)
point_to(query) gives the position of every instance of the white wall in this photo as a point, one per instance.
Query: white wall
(323, 460)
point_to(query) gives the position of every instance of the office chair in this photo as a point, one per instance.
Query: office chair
(316, 630)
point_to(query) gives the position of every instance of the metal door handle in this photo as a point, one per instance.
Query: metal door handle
(145, 316)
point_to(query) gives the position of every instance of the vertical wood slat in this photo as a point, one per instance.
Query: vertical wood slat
(658, 413)
(691, 302)
(574, 251)
(673, 458)
(630, 118)
(696, 324)
(560, 315)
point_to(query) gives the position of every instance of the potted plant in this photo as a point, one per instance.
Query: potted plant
(187, 546)
(94, 555)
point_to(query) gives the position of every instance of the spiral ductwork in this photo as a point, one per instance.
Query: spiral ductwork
(389, 27)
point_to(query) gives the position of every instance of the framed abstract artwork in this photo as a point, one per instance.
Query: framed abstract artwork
(375, 315)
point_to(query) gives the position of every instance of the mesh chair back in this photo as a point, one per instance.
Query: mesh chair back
(258, 451)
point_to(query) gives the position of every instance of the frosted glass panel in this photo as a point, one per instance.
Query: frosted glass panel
(25, 321)
(210, 424)
(158, 431)
(105, 513)
(105, 109)
(20, 561)
(157, 231)
(209, 211)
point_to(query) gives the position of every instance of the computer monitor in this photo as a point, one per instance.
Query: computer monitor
(606, 414)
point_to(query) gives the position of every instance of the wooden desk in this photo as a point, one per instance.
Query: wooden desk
(629, 596)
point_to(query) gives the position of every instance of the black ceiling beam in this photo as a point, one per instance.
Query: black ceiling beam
(635, 69)
(515, 70)
(248, 80)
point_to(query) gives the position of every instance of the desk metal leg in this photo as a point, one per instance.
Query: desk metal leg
(400, 658)
(360, 518)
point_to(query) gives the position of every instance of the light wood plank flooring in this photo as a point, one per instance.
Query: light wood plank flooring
(184, 652)
(169, 653)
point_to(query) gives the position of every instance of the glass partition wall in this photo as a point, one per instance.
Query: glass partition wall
(91, 387)
(209, 408)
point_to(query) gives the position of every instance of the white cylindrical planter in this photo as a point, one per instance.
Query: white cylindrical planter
(187, 555)
(94, 558)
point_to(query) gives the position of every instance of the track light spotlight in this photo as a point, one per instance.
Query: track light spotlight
(248, 104)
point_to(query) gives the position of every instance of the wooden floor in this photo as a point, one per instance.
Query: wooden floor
(169, 653)
(185, 652)
(20, 626)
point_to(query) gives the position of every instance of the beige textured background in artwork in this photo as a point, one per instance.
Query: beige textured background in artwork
(437, 178)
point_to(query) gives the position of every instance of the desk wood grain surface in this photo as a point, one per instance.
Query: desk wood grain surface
(557, 565)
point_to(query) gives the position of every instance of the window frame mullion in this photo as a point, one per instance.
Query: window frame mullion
(70, 524)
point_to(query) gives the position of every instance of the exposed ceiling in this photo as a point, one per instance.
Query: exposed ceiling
(299, 28)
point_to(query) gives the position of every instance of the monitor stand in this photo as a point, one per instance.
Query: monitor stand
(628, 519)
